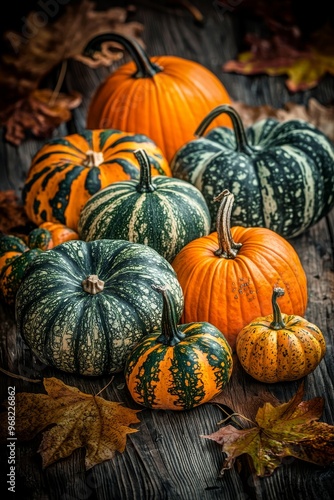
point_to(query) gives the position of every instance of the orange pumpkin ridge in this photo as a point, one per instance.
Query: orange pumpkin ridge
(227, 277)
(163, 97)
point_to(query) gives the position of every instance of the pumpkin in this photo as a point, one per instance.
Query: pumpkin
(11, 246)
(162, 212)
(163, 97)
(227, 276)
(66, 171)
(281, 173)
(49, 235)
(82, 305)
(280, 347)
(178, 367)
(15, 256)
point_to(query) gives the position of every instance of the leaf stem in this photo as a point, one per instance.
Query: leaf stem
(20, 377)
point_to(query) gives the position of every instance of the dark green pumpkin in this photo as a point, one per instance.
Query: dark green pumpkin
(82, 306)
(178, 367)
(281, 173)
(161, 212)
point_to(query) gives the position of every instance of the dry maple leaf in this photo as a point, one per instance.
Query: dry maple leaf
(305, 66)
(27, 60)
(289, 429)
(77, 419)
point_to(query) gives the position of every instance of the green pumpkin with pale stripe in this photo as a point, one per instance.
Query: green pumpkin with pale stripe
(281, 173)
(161, 212)
(82, 306)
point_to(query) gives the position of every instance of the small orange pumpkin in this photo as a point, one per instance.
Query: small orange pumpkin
(164, 97)
(280, 347)
(227, 277)
(50, 234)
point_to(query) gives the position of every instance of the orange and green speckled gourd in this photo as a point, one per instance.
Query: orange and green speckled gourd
(178, 367)
(280, 347)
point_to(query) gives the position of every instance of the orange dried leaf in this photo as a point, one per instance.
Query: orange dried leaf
(77, 419)
(289, 429)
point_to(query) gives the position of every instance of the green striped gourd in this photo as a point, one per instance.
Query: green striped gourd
(82, 306)
(178, 367)
(162, 212)
(282, 174)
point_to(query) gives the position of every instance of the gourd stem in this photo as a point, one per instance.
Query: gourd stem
(93, 158)
(145, 184)
(242, 145)
(228, 248)
(92, 284)
(170, 334)
(145, 67)
(277, 323)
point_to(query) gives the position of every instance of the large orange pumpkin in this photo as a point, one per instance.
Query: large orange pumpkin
(68, 170)
(227, 277)
(163, 97)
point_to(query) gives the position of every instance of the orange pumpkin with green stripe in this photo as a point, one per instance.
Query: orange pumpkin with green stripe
(68, 170)
(50, 234)
(180, 366)
(15, 256)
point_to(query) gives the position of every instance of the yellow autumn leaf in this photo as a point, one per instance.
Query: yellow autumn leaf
(77, 419)
(287, 429)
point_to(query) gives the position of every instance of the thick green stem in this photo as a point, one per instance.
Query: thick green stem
(277, 323)
(228, 248)
(145, 184)
(242, 145)
(145, 67)
(92, 284)
(170, 334)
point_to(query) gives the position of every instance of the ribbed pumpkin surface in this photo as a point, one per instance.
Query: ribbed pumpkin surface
(231, 292)
(182, 376)
(85, 333)
(282, 174)
(68, 170)
(167, 107)
(166, 218)
(289, 353)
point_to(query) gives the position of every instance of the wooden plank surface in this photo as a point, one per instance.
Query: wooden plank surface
(167, 459)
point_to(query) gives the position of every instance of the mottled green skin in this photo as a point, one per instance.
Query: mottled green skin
(284, 181)
(39, 238)
(87, 334)
(11, 243)
(202, 340)
(166, 218)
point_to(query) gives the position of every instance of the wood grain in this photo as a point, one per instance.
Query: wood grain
(167, 459)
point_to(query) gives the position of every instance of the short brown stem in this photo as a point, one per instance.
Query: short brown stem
(92, 284)
(93, 158)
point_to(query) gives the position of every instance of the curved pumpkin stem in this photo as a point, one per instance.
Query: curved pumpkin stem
(170, 334)
(277, 323)
(92, 284)
(145, 184)
(228, 248)
(145, 67)
(242, 145)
